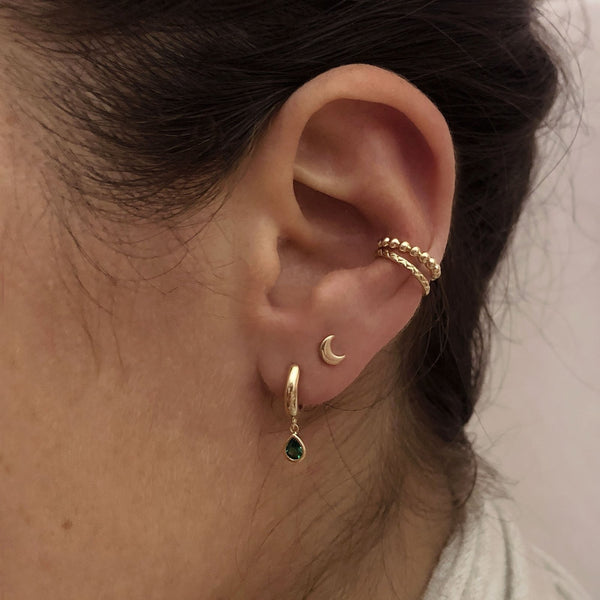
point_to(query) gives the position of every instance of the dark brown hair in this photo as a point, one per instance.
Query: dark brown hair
(176, 91)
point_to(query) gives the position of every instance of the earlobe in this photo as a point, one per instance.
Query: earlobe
(356, 155)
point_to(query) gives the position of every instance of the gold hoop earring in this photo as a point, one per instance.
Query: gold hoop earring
(294, 450)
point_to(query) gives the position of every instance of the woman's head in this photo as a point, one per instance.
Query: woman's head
(210, 180)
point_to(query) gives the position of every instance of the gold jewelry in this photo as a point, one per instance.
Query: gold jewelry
(327, 353)
(423, 257)
(295, 450)
(385, 253)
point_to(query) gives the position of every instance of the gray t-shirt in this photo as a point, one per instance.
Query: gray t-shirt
(487, 559)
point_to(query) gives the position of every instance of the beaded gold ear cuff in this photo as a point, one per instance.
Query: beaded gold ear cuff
(390, 247)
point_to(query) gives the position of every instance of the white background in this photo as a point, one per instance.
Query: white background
(539, 421)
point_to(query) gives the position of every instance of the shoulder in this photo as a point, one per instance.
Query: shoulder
(548, 579)
(488, 559)
(534, 573)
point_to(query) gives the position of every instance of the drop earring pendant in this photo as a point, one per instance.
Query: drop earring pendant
(294, 450)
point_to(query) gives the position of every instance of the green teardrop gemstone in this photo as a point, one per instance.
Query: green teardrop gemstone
(294, 449)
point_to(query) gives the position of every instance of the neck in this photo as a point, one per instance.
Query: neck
(154, 504)
(343, 534)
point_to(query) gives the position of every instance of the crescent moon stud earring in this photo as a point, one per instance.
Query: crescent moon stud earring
(327, 353)
(294, 450)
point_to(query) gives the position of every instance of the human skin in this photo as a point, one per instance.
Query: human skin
(142, 427)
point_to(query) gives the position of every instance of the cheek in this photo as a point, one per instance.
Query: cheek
(89, 492)
(119, 422)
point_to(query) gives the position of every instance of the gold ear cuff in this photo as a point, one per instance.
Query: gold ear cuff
(390, 247)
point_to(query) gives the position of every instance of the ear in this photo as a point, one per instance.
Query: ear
(354, 155)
